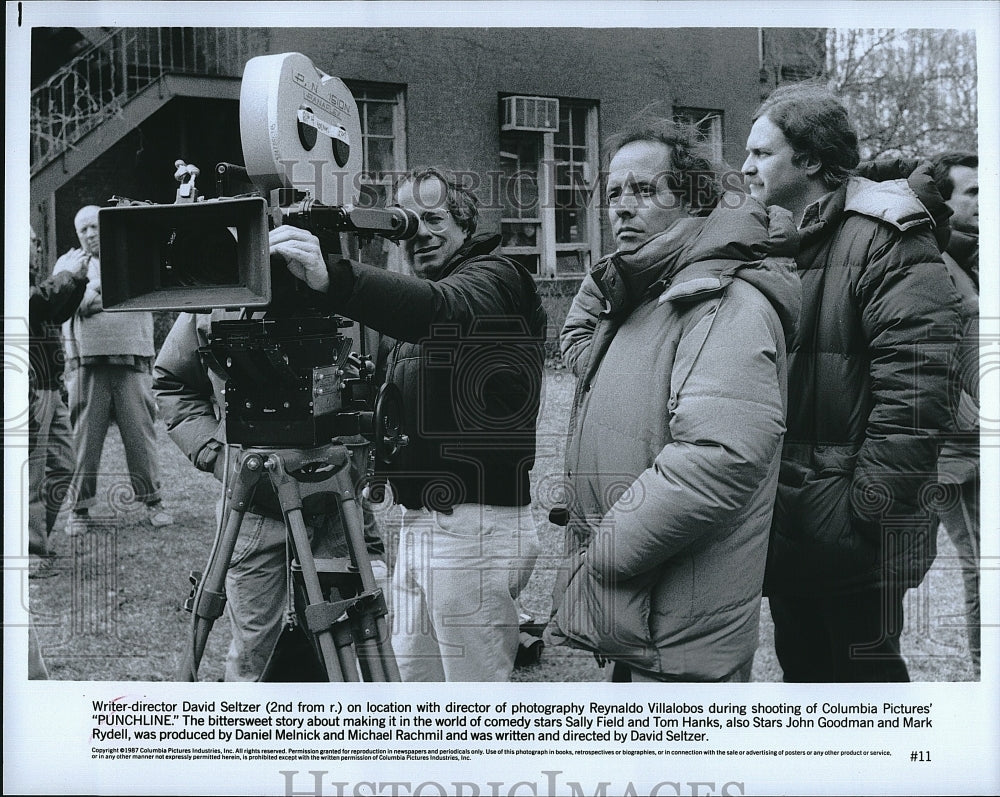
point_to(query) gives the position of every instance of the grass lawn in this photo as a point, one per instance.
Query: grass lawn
(114, 610)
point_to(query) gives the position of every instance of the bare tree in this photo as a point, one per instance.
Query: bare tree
(911, 92)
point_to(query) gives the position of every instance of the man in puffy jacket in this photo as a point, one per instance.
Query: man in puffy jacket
(463, 340)
(854, 523)
(678, 342)
(956, 175)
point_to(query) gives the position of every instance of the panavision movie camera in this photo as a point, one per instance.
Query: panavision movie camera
(301, 138)
(299, 404)
(290, 375)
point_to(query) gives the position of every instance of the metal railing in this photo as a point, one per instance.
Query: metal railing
(99, 83)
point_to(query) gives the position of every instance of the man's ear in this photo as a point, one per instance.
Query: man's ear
(812, 165)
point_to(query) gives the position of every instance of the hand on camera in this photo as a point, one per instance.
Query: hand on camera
(302, 254)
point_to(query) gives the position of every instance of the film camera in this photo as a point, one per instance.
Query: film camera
(301, 139)
(300, 404)
(287, 374)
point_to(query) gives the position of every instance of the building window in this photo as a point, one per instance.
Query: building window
(382, 114)
(709, 124)
(549, 189)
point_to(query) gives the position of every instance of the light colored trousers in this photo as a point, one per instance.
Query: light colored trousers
(454, 590)
(96, 392)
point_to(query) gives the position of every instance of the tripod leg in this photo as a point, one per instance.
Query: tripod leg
(210, 596)
(333, 655)
(377, 653)
(339, 662)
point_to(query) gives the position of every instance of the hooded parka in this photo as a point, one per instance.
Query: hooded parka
(675, 439)
(868, 390)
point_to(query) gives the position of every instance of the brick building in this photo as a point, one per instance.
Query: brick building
(524, 110)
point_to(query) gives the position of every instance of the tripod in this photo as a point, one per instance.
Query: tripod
(349, 633)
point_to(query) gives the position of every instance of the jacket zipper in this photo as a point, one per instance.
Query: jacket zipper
(581, 388)
(393, 359)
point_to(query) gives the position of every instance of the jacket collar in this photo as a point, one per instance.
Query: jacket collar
(964, 249)
(827, 206)
(892, 201)
(474, 246)
(740, 239)
(627, 276)
(899, 192)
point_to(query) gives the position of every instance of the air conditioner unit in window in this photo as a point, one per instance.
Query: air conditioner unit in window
(530, 113)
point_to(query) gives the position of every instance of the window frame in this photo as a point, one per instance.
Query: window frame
(546, 247)
(360, 90)
(367, 93)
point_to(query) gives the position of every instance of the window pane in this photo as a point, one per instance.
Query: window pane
(520, 234)
(520, 151)
(709, 124)
(379, 118)
(572, 262)
(520, 195)
(379, 158)
(571, 225)
(579, 117)
(519, 185)
(565, 199)
(572, 175)
(562, 134)
(562, 172)
(530, 262)
(372, 195)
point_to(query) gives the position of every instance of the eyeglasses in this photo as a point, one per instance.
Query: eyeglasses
(36, 244)
(435, 220)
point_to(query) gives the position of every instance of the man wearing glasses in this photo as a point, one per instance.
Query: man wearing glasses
(463, 340)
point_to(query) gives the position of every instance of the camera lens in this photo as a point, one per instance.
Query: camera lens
(198, 257)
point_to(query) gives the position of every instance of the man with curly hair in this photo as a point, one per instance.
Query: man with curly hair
(463, 340)
(678, 342)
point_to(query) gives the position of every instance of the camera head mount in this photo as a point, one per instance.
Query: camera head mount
(302, 145)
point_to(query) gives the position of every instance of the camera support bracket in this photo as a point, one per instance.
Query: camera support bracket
(351, 635)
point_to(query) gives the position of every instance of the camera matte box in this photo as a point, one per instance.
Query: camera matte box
(141, 245)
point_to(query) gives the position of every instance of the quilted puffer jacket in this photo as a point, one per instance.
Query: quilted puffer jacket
(675, 442)
(868, 389)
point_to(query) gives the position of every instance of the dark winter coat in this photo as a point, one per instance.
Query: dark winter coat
(959, 458)
(50, 303)
(675, 442)
(868, 391)
(466, 350)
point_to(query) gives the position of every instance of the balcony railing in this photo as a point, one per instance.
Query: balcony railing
(99, 83)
